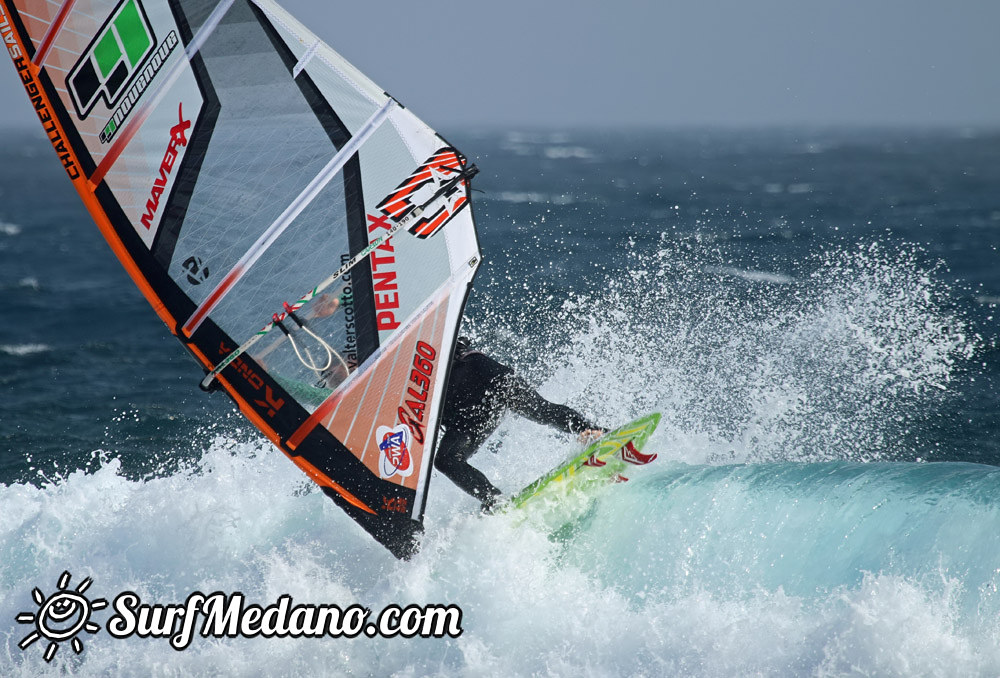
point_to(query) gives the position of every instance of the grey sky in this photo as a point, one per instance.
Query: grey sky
(555, 63)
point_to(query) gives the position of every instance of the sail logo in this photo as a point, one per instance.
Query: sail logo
(39, 102)
(269, 403)
(197, 271)
(177, 138)
(384, 287)
(411, 413)
(421, 186)
(112, 59)
(138, 87)
(394, 451)
(396, 504)
(7, 34)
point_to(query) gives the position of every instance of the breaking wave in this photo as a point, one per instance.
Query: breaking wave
(763, 541)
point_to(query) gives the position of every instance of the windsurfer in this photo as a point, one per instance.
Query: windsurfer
(480, 391)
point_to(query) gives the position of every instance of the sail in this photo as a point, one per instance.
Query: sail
(308, 239)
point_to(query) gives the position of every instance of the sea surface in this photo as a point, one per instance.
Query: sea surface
(814, 311)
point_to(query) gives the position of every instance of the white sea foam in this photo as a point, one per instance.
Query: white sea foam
(24, 349)
(752, 276)
(565, 152)
(522, 197)
(836, 361)
(713, 569)
(756, 578)
(519, 197)
(9, 229)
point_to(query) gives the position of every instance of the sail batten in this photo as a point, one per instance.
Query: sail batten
(46, 44)
(236, 163)
(301, 201)
(305, 59)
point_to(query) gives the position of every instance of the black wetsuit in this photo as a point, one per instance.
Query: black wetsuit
(479, 392)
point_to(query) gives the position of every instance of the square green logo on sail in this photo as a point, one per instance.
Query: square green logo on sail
(111, 60)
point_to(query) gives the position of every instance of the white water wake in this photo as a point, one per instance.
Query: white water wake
(726, 558)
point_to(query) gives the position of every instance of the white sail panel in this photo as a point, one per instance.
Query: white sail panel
(302, 41)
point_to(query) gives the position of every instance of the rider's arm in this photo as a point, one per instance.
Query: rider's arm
(524, 400)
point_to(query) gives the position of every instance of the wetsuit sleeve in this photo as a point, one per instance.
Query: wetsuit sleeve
(524, 400)
(452, 459)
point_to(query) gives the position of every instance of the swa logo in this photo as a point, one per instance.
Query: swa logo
(108, 64)
(61, 616)
(394, 451)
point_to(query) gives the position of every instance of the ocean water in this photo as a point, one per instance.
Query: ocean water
(813, 311)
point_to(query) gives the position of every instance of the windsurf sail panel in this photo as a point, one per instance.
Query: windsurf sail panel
(309, 240)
